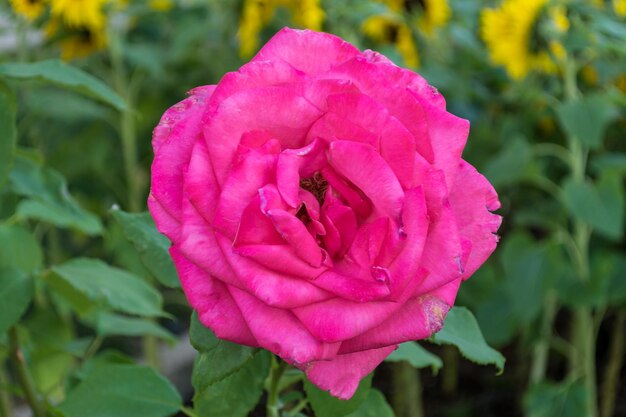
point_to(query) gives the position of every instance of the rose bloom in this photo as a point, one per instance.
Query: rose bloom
(318, 205)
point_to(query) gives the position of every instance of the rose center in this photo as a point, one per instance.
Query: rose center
(316, 185)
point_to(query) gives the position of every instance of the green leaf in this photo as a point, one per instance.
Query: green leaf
(375, 405)
(524, 262)
(460, 329)
(586, 119)
(601, 206)
(110, 286)
(152, 246)
(63, 75)
(8, 131)
(325, 405)
(108, 324)
(117, 390)
(19, 249)
(416, 355)
(511, 164)
(48, 197)
(236, 394)
(218, 358)
(16, 292)
(557, 400)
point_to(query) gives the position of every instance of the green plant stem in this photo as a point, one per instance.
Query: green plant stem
(583, 358)
(276, 372)
(407, 391)
(188, 412)
(610, 383)
(541, 349)
(6, 405)
(23, 375)
(450, 371)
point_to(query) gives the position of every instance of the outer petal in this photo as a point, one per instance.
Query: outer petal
(308, 51)
(279, 331)
(173, 140)
(342, 374)
(418, 319)
(472, 199)
(216, 308)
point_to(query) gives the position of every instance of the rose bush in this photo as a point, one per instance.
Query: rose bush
(318, 205)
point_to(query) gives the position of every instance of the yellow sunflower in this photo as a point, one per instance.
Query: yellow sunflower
(389, 29)
(436, 13)
(256, 14)
(80, 13)
(29, 9)
(76, 41)
(509, 32)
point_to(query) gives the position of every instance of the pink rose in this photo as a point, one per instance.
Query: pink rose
(318, 205)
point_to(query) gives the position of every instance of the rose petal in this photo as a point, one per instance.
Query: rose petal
(216, 308)
(296, 234)
(279, 331)
(308, 51)
(472, 199)
(342, 374)
(366, 169)
(173, 140)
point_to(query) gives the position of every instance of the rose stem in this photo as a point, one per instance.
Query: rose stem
(127, 90)
(582, 361)
(615, 363)
(407, 390)
(541, 349)
(276, 372)
(6, 405)
(23, 375)
(450, 371)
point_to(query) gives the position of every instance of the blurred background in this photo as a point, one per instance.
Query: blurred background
(543, 83)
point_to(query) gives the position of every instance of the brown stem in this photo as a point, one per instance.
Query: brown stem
(23, 375)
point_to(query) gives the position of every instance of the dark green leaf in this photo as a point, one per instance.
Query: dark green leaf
(557, 400)
(325, 405)
(601, 206)
(19, 249)
(460, 329)
(586, 119)
(152, 246)
(374, 405)
(416, 355)
(108, 324)
(16, 292)
(511, 164)
(110, 286)
(48, 197)
(524, 262)
(236, 394)
(63, 75)
(218, 358)
(116, 390)
(8, 132)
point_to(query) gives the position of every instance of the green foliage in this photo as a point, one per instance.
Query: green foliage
(460, 329)
(16, 291)
(587, 119)
(105, 285)
(557, 400)
(117, 390)
(374, 405)
(600, 205)
(20, 249)
(152, 246)
(109, 324)
(48, 199)
(8, 131)
(416, 355)
(325, 405)
(68, 77)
